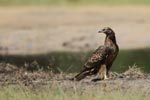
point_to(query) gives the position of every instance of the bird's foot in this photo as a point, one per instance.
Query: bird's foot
(106, 77)
(101, 77)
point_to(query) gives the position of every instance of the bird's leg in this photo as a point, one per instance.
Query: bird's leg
(100, 74)
(108, 69)
(103, 72)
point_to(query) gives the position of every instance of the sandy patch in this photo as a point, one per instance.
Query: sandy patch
(35, 30)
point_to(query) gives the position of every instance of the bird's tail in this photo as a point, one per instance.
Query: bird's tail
(80, 76)
(83, 74)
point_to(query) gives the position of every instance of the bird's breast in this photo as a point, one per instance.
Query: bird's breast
(110, 58)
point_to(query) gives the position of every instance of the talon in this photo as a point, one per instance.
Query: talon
(106, 78)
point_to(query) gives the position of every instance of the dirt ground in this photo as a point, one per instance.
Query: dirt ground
(33, 30)
(130, 79)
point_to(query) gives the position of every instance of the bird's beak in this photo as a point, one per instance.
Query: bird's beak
(100, 31)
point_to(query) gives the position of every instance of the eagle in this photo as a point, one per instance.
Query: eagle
(102, 58)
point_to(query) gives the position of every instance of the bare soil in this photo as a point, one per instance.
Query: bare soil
(132, 78)
(34, 30)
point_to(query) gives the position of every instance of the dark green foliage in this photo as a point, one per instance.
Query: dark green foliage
(139, 57)
(73, 61)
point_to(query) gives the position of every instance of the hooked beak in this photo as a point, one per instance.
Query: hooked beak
(100, 31)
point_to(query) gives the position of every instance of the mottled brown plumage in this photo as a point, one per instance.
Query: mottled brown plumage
(102, 59)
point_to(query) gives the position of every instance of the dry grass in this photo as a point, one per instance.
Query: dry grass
(56, 92)
(19, 84)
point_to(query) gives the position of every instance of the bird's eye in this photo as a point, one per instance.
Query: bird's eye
(104, 29)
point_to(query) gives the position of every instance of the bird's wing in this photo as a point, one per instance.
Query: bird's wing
(98, 57)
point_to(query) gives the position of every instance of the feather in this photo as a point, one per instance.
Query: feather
(102, 56)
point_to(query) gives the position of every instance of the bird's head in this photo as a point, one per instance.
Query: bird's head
(107, 31)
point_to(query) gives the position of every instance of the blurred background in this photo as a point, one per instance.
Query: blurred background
(61, 34)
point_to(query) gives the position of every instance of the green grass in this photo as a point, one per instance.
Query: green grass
(73, 61)
(56, 92)
(74, 2)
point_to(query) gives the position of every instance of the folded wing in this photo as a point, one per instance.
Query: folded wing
(93, 64)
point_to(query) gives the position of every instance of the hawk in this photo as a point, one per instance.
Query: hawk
(102, 58)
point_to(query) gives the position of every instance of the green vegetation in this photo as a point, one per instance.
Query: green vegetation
(73, 61)
(74, 2)
(139, 57)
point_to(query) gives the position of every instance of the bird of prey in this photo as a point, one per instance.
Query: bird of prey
(102, 58)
